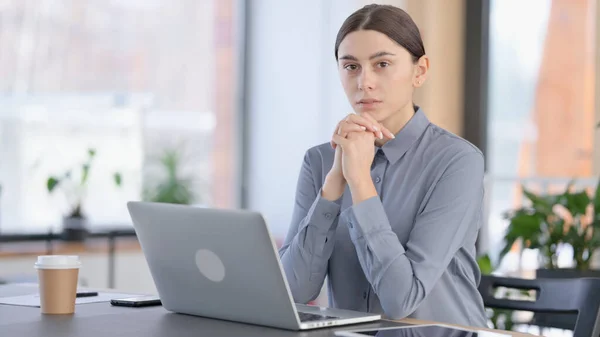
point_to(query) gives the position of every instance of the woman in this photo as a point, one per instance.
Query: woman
(391, 208)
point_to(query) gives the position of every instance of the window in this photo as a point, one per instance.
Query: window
(541, 102)
(133, 80)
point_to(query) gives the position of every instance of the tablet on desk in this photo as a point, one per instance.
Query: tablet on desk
(429, 330)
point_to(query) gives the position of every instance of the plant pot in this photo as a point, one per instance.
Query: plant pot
(566, 273)
(74, 229)
(561, 321)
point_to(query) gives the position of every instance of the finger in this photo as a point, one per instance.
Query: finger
(350, 127)
(387, 133)
(335, 131)
(382, 129)
(362, 121)
(339, 140)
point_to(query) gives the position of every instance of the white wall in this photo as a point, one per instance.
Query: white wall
(295, 97)
(294, 94)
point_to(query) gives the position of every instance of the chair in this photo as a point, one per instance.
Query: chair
(576, 296)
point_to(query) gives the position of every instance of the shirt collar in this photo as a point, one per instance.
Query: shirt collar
(395, 148)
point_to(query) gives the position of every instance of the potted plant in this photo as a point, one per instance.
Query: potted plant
(549, 223)
(171, 186)
(74, 223)
(553, 220)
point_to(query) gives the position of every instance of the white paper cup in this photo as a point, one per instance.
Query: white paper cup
(58, 275)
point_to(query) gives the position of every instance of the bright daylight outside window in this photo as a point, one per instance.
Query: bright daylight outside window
(108, 101)
(541, 109)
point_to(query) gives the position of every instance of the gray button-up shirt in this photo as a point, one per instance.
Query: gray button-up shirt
(410, 251)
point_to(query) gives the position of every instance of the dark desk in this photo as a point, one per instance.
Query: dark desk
(102, 319)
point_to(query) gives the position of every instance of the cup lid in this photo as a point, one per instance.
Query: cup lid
(57, 262)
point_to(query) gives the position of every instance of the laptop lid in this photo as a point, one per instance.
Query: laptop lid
(214, 263)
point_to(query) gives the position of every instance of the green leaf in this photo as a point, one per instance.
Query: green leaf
(85, 172)
(485, 264)
(118, 179)
(576, 203)
(52, 183)
(595, 240)
(542, 204)
(91, 152)
(557, 230)
(171, 187)
(597, 202)
(525, 225)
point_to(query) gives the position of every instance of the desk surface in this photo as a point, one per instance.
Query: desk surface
(102, 319)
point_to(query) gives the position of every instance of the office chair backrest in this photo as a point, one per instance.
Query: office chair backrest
(580, 296)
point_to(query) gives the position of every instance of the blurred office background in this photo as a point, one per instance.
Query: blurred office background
(214, 102)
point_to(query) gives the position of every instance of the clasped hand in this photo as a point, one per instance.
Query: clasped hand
(353, 141)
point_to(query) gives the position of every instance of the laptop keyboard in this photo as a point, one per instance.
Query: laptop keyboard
(306, 317)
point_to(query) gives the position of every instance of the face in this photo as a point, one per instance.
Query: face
(378, 75)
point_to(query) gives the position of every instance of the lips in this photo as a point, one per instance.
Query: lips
(368, 104)
(368, 101)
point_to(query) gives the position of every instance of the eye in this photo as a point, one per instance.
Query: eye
(383, 64)
(351, 67)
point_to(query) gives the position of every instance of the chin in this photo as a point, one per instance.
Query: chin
(378, 113)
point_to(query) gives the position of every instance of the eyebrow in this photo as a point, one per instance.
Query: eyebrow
(376, 55)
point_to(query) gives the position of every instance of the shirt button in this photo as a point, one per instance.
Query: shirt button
(350, 224)
(328, 216)
(378, 180)
(365, 295)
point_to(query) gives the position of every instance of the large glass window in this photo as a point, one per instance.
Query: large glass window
(541, 103)
(149, 86)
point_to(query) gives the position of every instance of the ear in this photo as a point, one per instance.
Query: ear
(421, 71)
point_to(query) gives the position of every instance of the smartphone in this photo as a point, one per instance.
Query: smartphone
(141, 301)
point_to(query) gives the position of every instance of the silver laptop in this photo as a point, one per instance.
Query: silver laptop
(224, 264)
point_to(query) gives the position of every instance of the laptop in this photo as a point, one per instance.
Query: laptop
(224, 264)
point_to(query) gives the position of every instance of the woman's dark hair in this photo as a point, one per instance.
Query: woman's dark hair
(389, 20)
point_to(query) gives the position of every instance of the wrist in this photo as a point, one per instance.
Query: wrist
(362, 189)
(335, 179)
(359, 180)
(334, 187)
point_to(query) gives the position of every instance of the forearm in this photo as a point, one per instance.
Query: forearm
(383, 259)
(362, 189)
(333, 187)
(389, 271)
(305, 255)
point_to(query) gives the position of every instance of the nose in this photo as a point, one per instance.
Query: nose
(366, 80)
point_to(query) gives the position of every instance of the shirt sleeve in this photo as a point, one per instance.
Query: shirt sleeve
(310, 239)
(403, 276)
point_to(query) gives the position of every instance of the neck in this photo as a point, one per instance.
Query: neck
(397, 121)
